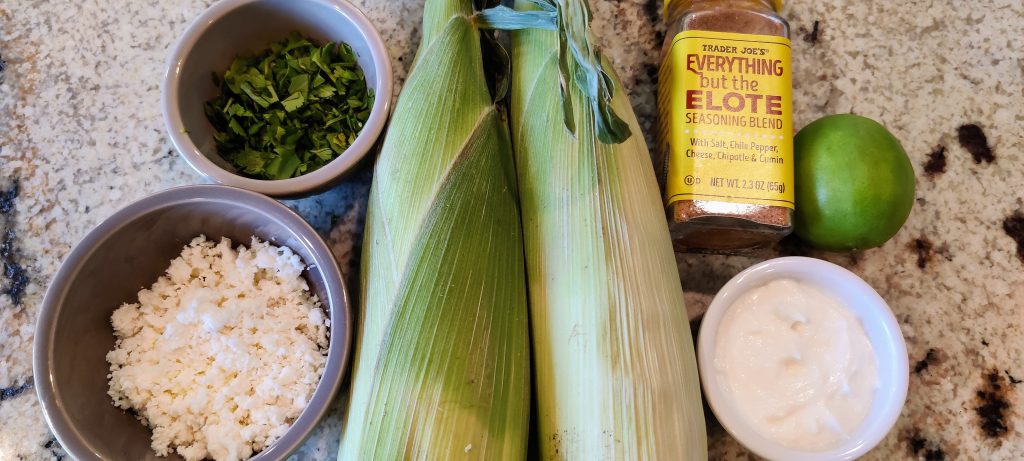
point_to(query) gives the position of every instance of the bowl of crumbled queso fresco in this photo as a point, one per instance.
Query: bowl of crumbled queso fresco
(203, 322)
(280, 97)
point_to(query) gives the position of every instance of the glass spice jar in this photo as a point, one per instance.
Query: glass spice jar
(725, 148)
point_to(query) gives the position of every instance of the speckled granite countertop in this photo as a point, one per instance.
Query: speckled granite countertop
(81, 135)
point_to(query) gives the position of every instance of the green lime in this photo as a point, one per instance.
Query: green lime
(854, 183)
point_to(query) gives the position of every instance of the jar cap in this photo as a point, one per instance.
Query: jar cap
(777, 4)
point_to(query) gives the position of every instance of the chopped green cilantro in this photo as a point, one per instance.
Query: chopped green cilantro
(290, 109)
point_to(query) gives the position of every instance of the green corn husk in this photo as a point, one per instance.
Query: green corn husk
(442, 359)
(616, 377)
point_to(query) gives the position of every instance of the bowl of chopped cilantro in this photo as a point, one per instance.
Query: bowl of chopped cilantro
(281, 97)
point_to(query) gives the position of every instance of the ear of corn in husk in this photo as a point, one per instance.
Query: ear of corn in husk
(614, 366)
(441, 370)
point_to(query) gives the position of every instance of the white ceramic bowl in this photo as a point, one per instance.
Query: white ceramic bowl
(233, 27)
(879, 324)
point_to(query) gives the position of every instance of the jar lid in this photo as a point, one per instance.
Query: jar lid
(777, 4)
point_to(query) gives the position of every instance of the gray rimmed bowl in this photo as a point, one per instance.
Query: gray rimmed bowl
(131, 250)
(233, 27)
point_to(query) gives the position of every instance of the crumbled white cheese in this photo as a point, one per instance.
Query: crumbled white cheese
(222, 353)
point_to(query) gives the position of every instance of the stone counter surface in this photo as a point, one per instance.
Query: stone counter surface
(81, 136)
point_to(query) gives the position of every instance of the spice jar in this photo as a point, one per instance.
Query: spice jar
(725, 124)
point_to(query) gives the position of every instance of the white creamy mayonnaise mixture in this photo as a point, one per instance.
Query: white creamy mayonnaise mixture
(797, 363)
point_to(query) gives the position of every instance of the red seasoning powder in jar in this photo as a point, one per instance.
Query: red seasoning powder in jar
(725, 148)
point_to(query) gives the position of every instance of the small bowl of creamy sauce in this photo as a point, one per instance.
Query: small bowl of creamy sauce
(800, 359)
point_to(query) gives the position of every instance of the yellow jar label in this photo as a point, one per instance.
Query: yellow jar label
(726, 118)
